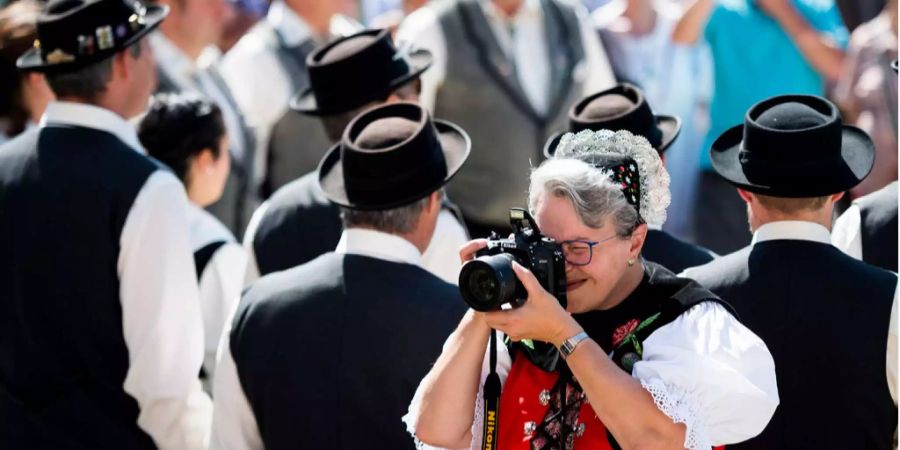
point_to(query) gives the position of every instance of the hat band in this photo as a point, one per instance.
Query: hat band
(393, 184)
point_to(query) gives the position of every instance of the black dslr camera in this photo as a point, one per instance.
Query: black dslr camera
(488, 282)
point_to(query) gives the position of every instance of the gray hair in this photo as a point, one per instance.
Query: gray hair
(400, 220)
(89, 82)
(594, 196)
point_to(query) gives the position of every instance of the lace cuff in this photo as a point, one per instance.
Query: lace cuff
(674, 402)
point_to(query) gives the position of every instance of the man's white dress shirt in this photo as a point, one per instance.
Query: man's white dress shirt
(234, 425)
(161, 317)
(526, 45)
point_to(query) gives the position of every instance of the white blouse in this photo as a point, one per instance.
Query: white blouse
(704, 369)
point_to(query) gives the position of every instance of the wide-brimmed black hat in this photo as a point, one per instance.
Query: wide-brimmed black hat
(622, 107)
(74, 33)
(355, 70)
(793, 146)
(390, 156)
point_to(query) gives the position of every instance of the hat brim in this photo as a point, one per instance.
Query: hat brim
(31, 60)
(856, 161)
(455, 144)
(670, 126)
(305, 101)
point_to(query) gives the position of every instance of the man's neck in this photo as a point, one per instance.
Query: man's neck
(509, 8)
(641, 16)
(101, 103)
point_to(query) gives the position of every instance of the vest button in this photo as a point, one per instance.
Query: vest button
(544, 397)
(530, 428)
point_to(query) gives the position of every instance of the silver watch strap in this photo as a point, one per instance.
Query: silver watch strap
(568, 346)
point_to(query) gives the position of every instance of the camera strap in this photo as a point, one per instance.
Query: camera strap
(491, 393)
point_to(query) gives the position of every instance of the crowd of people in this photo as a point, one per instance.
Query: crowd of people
(241, 225)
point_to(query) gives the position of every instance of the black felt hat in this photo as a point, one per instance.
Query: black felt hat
(793, 146)
(622, 107)
(74, 33)
(390, 156)
(355, 70)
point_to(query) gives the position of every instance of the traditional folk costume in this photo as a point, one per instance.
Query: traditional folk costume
(350, 333)
(624, 107)
(101, 331)
(678, 339)
(299, 223)
(829, 320)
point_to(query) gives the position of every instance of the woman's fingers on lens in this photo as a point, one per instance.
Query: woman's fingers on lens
(468, 250)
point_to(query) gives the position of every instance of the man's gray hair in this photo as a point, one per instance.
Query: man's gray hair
(595, 197)
(400, 220)
(89, 82)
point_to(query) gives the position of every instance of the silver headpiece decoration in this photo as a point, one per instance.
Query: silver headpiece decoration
(654, 180)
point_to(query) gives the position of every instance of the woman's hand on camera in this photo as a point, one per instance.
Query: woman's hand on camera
(467, 251)
(541, 318)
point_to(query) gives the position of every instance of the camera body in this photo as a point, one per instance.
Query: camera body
(488, 282)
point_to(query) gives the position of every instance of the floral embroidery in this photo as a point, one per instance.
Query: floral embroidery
(623, 331)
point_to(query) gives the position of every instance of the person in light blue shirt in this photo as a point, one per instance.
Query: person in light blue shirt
(760, 48)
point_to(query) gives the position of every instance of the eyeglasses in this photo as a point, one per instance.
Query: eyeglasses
(579, 252)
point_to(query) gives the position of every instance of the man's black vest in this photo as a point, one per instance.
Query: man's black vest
(673, 253)
(878, 212)
(329, 354)
(65, 193)
(824, 317)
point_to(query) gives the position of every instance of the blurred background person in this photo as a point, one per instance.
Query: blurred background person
(266, 67)
(246, 14)
(187, 61)
(188, 134)
(676, 78)
(797, 47)
(298, 223)
(24, 95)
(507, 71)
(867, 93)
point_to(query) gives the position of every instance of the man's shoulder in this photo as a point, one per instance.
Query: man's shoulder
(295, 284)
(662, 246)
(725, 267)
(303, 191)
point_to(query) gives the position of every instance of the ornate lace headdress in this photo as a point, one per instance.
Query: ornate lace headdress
(643, 178)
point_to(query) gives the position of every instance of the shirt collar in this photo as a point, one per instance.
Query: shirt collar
(293, 29)
(796, 230)
(529, 9)
(61, 113)
(377, 244)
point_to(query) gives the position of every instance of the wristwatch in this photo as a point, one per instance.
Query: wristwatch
(568, 346)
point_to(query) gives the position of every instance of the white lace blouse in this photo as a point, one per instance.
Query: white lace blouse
(704, 369)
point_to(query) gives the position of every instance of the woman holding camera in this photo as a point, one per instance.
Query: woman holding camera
(638, 359)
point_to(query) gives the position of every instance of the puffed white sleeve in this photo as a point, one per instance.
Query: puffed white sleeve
(504, 363)
(708, 371)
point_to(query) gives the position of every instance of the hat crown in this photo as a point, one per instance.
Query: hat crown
(791, 116)
(386, 133)
(621, 107)
(355, 70)
(72, 33)
(607, 106)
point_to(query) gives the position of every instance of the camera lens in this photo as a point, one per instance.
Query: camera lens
(488, 282)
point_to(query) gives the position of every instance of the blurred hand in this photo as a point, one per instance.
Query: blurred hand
(541, 317)
(467, 251)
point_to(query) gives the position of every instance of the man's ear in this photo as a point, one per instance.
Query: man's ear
(746, 196)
